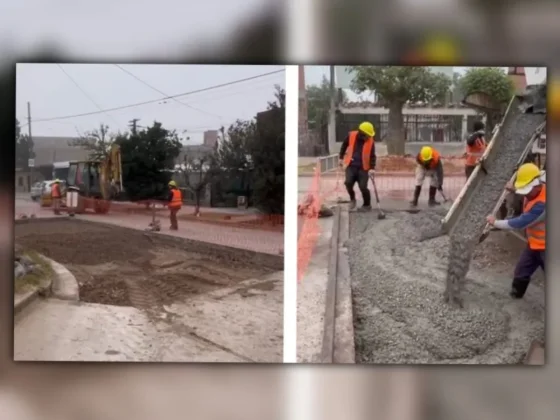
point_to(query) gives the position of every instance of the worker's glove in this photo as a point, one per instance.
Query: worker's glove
(341, 163)
(371, 172)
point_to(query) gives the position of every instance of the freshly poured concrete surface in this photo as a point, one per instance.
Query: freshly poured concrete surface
(229, 325)
(399, 313)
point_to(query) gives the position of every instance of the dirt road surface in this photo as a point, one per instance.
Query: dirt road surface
(144, 301)
(237, 237)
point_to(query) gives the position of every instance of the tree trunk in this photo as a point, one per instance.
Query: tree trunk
(395, 138)
(491, 120)
(197, 203)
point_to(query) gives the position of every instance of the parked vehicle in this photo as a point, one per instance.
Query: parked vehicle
(37, 190)
(46, 199)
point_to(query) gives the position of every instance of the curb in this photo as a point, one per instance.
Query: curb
(23, 301)
(64, 285)
(344, 341)
(41, 219)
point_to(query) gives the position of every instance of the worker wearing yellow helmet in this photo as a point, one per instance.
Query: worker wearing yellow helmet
(530, 182)
(56, 195)
(429, 164)
(357, 156)
(175, 203)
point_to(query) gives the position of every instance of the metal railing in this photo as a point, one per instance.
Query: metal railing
(327, 163)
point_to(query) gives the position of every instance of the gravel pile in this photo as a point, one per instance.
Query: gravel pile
(471, 222)
(398, 281)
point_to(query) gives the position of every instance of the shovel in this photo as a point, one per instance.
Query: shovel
(381, 214)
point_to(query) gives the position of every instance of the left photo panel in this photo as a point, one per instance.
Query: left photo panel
(149, 213)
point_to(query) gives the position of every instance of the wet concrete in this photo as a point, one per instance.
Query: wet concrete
(399, 313)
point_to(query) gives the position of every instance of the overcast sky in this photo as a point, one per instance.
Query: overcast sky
(314, 75)
(52, 94)
(123, 28)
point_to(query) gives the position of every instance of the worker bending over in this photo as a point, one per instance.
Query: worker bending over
(175, 204)
(56, 196)
(429, 164)
(530, 183)
(357, 155)
(476, 146)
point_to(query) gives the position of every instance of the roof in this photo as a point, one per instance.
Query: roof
(56, 149)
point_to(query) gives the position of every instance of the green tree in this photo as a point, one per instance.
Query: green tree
(493, 83)
(97, 142)
(268, 160)
(233, 152)
(148, 159)
(279, 98)
(318, 104)
(24, 148)
(395, 86)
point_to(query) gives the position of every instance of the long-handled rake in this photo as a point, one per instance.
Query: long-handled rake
(381, 214)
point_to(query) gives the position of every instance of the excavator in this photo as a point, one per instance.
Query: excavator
(96, 181)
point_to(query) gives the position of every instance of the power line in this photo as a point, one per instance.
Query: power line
(85, 94)
(165, 94)
(192, 92)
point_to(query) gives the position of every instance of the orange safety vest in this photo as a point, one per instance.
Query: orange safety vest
(536, 233)
(55, 191)
(475, 151)
(176, 200)
(433, 162)
(366, 150)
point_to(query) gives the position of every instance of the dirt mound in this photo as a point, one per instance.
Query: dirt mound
(83, 244)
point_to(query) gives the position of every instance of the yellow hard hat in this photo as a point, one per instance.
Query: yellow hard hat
(57, 181)
(426, 153)
(367, 128)
(528, 176)
(172, 184)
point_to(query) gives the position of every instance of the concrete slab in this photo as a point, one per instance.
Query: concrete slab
(311, 298)
(247, 319)
(56, 330)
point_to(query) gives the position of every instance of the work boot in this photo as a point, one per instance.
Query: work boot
(432, 197)
(365, 208)
(417, 190)
(352, 205)
(519, 287)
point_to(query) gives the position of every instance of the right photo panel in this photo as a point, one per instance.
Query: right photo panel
(422, 203)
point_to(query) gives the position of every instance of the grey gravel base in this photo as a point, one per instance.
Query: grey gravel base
(400, 316)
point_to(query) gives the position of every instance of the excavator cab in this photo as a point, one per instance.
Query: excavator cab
(98, 182)
(86, 177)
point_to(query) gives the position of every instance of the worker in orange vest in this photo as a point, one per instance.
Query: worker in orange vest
(175, 204)
(357, 156)
(429, 164)
(530, 182)
(56, 195)
(476, 145)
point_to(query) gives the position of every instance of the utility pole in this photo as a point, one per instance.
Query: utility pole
(331, 128)
(29, 143)
(132, 125)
